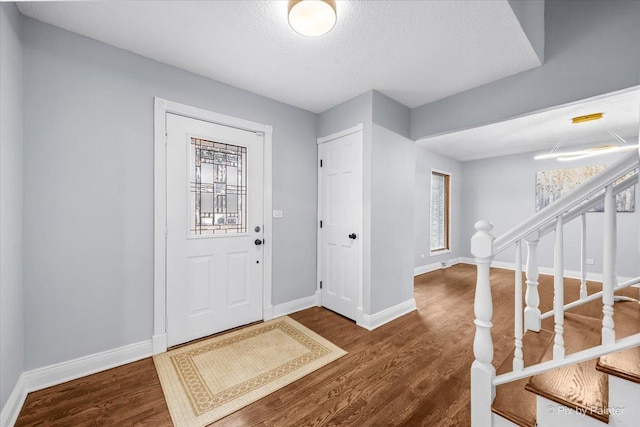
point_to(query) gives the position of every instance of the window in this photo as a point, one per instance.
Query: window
(218, 188)
(440, 215)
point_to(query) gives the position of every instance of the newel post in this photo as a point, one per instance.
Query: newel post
(482, 371)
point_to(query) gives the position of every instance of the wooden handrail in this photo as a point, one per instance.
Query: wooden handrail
(587, 189)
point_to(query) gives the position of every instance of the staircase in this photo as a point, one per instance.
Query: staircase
(572, 365)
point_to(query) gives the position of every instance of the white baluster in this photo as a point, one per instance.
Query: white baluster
(532, 312)
(518, 359)
(608, 266)
(482, 371)
(583, 258)
(558, 292)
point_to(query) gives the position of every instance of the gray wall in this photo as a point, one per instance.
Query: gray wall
(391, 114)
(502, 190)
(11, 287)
(392, 203)
(347, 115)
(88, 122)
(392, 210)
(530, 13)
(591, 48)
(425, 161)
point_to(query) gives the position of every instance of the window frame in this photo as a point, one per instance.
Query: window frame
(447, 183)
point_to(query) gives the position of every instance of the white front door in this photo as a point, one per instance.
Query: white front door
(341, 228)
(214, 228)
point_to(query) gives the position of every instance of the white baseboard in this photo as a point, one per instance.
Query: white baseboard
(428, 268)
(295, 305)
(267, 313)
(570, 274)
(359, 316)
(13, 405)
(319, 298)
(59, 373)
(373, 321)
(159, 343)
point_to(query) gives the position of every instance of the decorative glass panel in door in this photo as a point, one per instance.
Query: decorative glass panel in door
(218, 189)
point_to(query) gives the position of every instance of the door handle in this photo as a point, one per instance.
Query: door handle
(258, 242)
(353, 236)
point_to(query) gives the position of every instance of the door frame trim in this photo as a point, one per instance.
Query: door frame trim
(161, 108)
(319, 141)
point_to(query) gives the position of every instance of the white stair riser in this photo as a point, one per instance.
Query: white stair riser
(498, 421)
(552, 414)
(624, 401)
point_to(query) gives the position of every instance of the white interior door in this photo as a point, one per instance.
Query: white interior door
(341, 227)
(214, 228)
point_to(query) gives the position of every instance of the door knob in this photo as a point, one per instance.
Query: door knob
(258, 242)
(352, 236)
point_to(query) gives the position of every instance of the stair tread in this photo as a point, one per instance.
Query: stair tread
(624, 364)
(578, 386)
(512, 401)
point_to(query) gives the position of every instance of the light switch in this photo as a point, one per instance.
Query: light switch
(278, 214)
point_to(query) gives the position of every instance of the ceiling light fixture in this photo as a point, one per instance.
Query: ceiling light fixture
(588, 152)
(587, 118)
(312, 18)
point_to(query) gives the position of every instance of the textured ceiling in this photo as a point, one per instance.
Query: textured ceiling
(415, 52)
(541, 132)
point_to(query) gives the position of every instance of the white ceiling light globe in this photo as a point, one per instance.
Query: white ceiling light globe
(312, 17)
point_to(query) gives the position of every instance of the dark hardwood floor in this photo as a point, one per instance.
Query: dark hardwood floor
(412, 371)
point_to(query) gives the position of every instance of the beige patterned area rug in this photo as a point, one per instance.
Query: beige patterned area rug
(210, 379)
